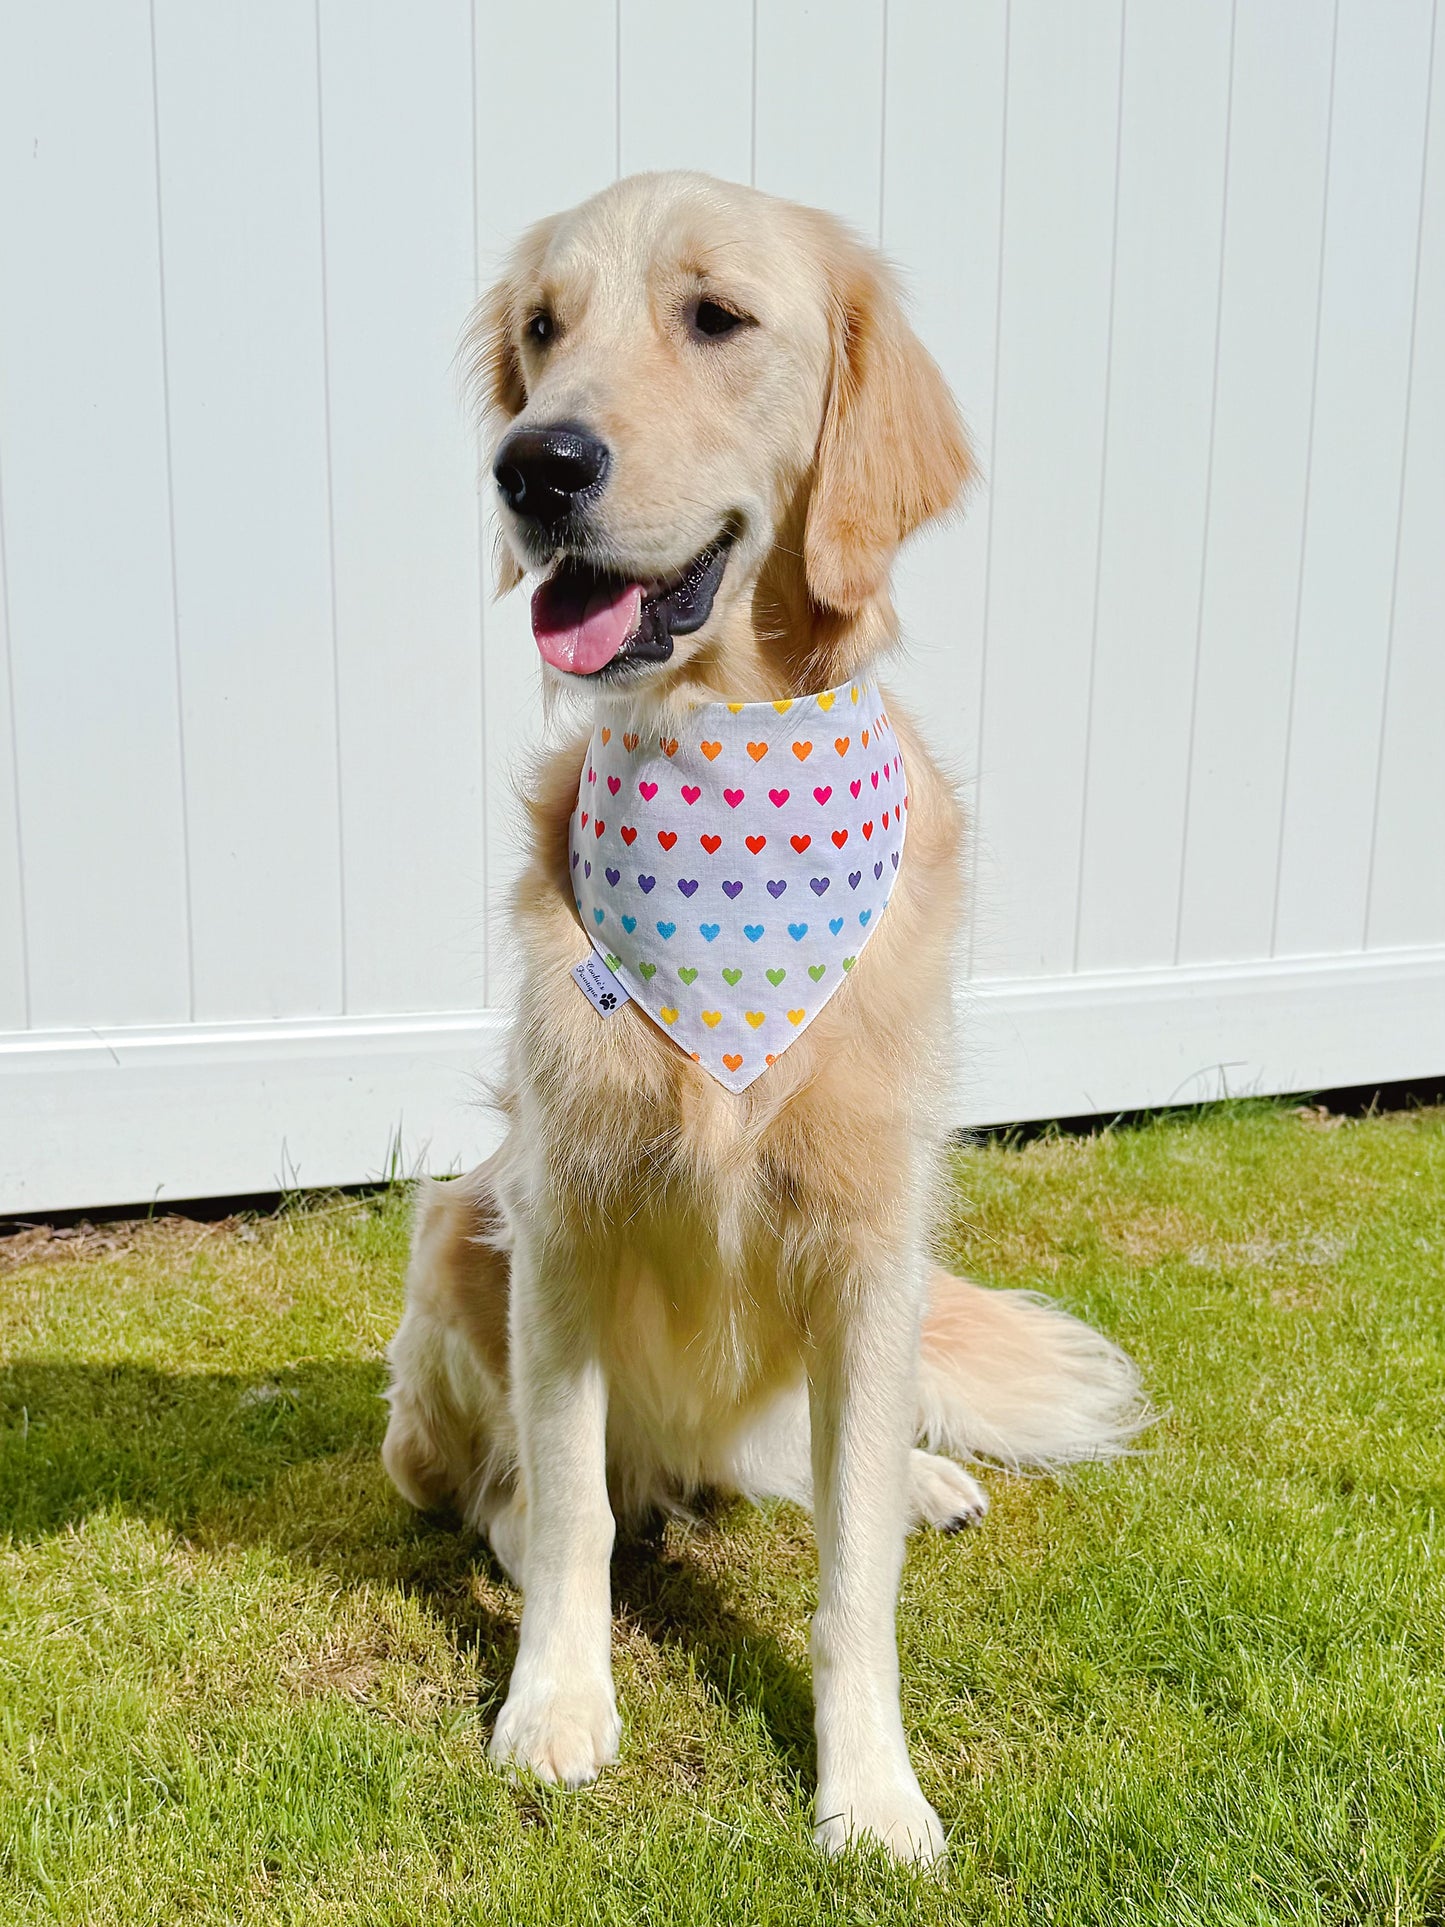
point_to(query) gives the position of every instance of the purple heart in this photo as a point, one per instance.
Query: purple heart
(687, 885)
(877, 869)
(820, 884)
(575, 859)
(612, 876)
(587, 868)
(776, 886)
(855, 877)
(895, 859)
(645, 885)
(731, 889)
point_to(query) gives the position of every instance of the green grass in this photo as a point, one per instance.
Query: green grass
(239, 1682)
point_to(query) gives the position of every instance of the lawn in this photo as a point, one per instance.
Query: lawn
(240, 1682)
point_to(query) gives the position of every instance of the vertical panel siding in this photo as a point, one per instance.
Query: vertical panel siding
(396, 117)
(941, 227)
(14, 994)
(1173, 137)
(87, 542)
(1054, 322)
(685, 97)
(1372, 231)
(819, 105)
(1254, 529)
(1407, 872)
(241, 213)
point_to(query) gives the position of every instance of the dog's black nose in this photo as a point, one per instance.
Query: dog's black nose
(542, 471)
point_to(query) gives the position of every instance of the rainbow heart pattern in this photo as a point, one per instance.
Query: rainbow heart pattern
(730, 874)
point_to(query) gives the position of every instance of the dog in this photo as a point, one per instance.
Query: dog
(712, 427)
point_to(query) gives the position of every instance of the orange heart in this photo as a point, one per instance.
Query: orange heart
(630, 741)
(711, 750)
(770, 1059)
(607, 735)
(796, 1016)
(802, 751)
(840, 743)
(755, 1017)
(732, 1060)
(863, 738)
(669, 745)
(712, 1018)
(757, 751)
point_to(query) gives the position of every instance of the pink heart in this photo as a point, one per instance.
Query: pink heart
(614, 783)
(822, 795)
(733, 797)
(875, 779)
(648, 790)
(690, 792)
(778, 797)
(855, 787)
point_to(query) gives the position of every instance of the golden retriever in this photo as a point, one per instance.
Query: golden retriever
(712, 429)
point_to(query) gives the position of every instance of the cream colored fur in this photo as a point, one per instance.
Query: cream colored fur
(656, 1285)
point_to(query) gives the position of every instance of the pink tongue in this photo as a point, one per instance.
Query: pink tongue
(580, 629)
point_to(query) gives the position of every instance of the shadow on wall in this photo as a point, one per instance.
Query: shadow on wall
(292, 1464)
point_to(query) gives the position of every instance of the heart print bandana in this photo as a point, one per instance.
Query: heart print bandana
(730, 875)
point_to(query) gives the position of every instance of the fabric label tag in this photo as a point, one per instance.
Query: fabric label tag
(599, 986)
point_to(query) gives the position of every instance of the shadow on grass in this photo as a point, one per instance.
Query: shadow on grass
(291, 1463)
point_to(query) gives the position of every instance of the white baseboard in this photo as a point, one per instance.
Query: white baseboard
(96, 1117)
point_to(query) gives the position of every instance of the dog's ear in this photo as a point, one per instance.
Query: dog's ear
(893, 452)
(495, 387)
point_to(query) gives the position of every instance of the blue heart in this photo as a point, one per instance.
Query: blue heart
(752, 931)
(687, 885)
(598, 915)
(855, 877)
(820, 884)
(776, 886)
(864, 915)
(612, 876)
(797, 931)
(732, 889)
(709, 930)
(645, 885)
(629, 924)
(666, 930)
(835, 925)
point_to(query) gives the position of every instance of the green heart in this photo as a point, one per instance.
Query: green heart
(775, 977)
(612, 962)
(815, 971)
(687, 972)
(732, 975)
(848, 962)
(649, 971)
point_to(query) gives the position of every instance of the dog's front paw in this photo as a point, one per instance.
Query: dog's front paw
(942, 1494)
(895, 1817)
(565, 1734)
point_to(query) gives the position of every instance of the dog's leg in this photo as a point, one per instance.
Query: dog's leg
(862, 1372)
(560, 1720)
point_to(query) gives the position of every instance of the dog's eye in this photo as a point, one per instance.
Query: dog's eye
(540, 327)
(712, 319)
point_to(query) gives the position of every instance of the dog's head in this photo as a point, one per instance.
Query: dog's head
(695, 388)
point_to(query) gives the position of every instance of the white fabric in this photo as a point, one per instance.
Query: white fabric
(731, 875)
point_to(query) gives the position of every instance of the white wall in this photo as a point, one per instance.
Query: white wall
(1185, 266)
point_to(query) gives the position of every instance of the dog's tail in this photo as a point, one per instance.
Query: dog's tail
(1006, 1375)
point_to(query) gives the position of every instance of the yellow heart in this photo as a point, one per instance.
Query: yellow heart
(784, 706)
(735, 707)
(754, 1017)
(855, 692)
(712, 1018)
(668, 1016)
(825, 703)
(796, 1016)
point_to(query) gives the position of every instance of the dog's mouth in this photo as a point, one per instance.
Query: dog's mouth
(588, 620)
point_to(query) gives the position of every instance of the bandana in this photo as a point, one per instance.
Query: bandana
(730, 875)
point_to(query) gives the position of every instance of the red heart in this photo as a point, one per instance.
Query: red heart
(584, 819)
(755, 843)
(712, 844)
(800, 843)
(598, 825)
(840, 837)
(667, 838)
(867, 829)
(628, 835)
